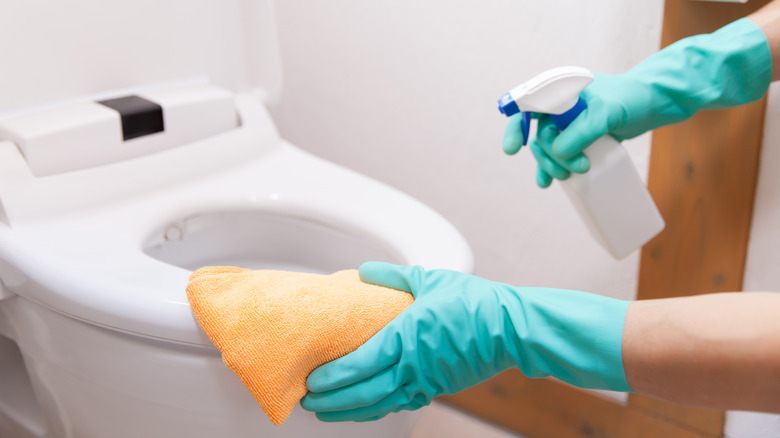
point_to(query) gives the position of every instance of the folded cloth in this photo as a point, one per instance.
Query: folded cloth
(274, 327)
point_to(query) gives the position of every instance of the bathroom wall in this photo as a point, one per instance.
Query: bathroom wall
(405, 91)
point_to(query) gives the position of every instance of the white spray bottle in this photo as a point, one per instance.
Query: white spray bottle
(611, 198)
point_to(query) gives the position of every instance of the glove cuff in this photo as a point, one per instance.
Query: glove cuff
(575, 337)
(747, 65)
(729, 67)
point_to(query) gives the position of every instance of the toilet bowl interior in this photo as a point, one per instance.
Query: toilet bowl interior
(262, 240)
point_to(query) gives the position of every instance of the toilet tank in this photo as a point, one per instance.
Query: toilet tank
(62, 60)
(52, 50)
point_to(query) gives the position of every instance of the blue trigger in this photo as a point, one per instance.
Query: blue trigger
(526, 125)
(562, 121)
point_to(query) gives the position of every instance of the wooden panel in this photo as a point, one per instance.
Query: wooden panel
(703, 180)
(702, 175)
(704, 421)
(545, 408)
(683, 18)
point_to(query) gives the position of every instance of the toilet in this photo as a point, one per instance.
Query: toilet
(135, 147)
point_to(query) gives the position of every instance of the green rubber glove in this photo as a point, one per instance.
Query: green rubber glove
(729, 67)
(462, 330)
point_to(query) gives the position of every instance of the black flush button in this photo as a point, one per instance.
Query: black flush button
(139, 116)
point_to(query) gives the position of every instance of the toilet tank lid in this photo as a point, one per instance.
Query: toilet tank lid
(54, 51)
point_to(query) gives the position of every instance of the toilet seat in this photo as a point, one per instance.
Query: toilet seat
(93, 310)
(114, 283)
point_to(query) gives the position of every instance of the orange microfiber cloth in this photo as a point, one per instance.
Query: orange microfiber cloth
(276, 327)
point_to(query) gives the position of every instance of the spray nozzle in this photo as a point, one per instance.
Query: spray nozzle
(507, 105)
(555, 92)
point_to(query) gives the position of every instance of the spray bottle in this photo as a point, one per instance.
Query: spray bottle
(610, 198)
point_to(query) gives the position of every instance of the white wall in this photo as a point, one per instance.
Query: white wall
(405, 91)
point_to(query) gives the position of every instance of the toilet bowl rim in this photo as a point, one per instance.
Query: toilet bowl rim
(27, 255)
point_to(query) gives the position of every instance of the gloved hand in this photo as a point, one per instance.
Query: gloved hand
(729, 67)
(462, 330)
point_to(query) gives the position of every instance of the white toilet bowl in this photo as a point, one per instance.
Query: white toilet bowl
(96, 336)
(98, 235)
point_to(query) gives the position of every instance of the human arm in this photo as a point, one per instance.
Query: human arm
(717, 351)
(462, 330)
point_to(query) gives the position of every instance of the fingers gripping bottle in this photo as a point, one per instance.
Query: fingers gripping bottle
(610, 198)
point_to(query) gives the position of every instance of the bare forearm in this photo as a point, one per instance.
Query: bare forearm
(719, 351)
(768, 19)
